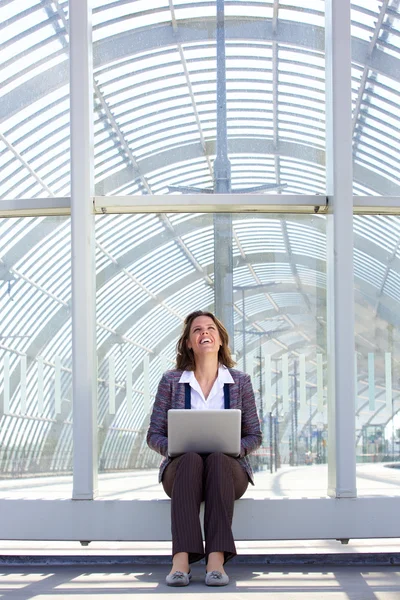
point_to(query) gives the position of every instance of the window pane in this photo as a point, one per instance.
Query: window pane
(35, 358)
(153, 270)
(377, 278)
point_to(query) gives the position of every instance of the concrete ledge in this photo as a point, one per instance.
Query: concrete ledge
(141, 520)
(347, 559)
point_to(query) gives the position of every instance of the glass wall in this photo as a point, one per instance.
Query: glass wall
(153, 270)
(35, 357)
(377, 272)
(35, 253)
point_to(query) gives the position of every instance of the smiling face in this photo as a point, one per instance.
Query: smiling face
(204, 336)
(188, 347)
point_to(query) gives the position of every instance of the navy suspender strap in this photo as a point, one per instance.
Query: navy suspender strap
(227, 396)
(187, 396)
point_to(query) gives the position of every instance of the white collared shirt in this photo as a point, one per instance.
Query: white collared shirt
(216, 396)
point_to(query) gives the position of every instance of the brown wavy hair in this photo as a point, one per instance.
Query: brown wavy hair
(185, 357)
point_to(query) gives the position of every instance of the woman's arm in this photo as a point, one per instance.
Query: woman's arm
(251, 431)
(157, 434)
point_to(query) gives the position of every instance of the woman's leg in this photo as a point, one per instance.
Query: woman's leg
(183, 483)
(225, 482)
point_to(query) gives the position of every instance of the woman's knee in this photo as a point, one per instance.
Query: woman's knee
(192, 457)
(217, 459)
(192, 462)
(188, 467)
(219, 465)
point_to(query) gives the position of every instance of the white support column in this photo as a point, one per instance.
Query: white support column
(340, 295)
(83, 264)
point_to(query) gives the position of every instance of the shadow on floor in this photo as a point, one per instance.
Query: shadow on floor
(106, 582)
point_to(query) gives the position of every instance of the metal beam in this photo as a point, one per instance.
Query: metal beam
(340, 277)
(271, 203)
(84, 369)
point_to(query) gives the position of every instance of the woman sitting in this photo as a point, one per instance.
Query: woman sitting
(205, 363)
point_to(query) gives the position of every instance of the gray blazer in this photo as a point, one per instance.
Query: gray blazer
(171, 394)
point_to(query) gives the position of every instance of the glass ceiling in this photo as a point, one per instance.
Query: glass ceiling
(155, 127)
(154, 71)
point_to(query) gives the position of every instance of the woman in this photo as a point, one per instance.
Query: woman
(204, 361)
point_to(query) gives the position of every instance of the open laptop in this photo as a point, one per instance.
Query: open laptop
(204, 431)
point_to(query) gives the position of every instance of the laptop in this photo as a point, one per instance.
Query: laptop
(204, 431)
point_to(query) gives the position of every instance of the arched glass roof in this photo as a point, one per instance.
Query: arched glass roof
(155, 127)
(155, 112)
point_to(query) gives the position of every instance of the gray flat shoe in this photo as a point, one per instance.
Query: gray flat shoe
(216, 578)
(178, 579)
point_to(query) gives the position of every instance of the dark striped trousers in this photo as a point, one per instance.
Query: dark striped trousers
(217, 479)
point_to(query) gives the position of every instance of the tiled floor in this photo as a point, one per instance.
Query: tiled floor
(250, 582)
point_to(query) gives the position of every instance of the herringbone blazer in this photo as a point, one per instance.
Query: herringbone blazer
(171, 394)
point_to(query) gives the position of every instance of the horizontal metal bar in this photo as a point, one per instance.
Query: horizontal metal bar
(277, 203)
(376, 205)
(34, 207)
(149, 520)
(207, 203)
